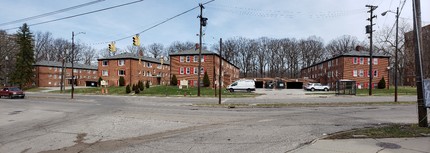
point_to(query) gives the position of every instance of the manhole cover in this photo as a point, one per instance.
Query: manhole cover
(388, 145)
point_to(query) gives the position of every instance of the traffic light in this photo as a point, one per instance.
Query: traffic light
(136, 41)
(112, 47)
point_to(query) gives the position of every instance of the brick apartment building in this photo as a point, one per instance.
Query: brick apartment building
(133, 68)
(48, 74)
(353, 65)
(409, 56)
(185, 66)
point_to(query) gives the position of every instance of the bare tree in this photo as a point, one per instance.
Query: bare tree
(42, 43)
(156, 49)
(312, 50)
(262, 55)
(342, 45)
(178, 46)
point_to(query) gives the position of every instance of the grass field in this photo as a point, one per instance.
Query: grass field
(164, 91)
(384, 131)
(401, 90)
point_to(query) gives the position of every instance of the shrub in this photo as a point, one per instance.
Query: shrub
(137, 90)
(133, 88)
(140, 85)
(147, 84)
(206, 82)
(127, 89)
(121, 81)
(99, 81)
(381, 83)
(174, 81)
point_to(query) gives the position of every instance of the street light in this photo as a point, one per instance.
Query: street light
(395, 53)
(388, 70)
(162, 73)
(73, 60)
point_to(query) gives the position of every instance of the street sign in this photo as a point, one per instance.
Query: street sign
(426, 96)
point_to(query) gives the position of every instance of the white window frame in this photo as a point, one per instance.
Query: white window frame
(105, 73)
(375, 61)
(188, 58)
(375, 73)
(105, 63)
(121, 62)
(361, 60)
(188, 70)
(181, 70)
(149, 65)
(181, 58)
(202, 70)
(361, 73)
(195, 58)
(354, 73)
(368, 61)
(196, 70)
(355, 60)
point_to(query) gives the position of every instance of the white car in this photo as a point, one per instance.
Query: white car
(316, 86)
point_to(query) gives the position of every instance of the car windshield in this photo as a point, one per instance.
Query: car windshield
(14, 89)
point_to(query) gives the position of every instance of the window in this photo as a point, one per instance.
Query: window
(188, 69)
(121, 62)
(202, 70)
(361, 60)
(105, 73)
(361, 73)
(55, 76)
(196, 58)
(50, 75)
(121, 72)
(355, 60)
(105, 63)
(203, 58)
(375, 73)
(188, 58)
(181, 70)
(375, 61)
(148, 73)
(159, 66)
(181, 58)
(329, 64)
(50, 68)
(354, 73)
(149, 65)
(75, 70)
(195, 70)
(94, 72)
(368, 61)
(55, 69)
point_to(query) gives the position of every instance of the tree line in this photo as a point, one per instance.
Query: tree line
(261, 57)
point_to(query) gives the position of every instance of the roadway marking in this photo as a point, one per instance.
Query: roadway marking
(225, 100)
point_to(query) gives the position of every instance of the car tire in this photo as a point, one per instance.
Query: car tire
(231, 90)
(312, 89)
(10, 96)
(248, 90)
(325, 89)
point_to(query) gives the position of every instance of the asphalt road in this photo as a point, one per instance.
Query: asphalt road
(54, 123)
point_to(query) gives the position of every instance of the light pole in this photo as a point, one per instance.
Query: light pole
(395, 53)
(388, 72)
(5, 67)
(73, 60)
(162, 73)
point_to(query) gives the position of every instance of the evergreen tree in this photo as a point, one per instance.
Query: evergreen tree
(381, 83)
(133, 87)
(206, 82)
(141, 86)
(174, 81)
(121, 81)
(147, 84)
(127, 89)
(99, 81)
(137, 90)
(25, 58)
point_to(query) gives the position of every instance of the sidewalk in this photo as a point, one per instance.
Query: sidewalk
(386, 145)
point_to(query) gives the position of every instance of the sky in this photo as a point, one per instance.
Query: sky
(298, 19)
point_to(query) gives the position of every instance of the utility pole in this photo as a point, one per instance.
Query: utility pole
(395, 55)
(73, 58)
(422, 110)
(220, 71)
(369, 29)
(202, 24)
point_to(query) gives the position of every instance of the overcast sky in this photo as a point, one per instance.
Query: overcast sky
(298, 19)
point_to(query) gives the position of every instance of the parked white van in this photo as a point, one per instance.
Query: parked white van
(244, 84)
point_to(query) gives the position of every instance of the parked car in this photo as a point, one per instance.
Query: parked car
(316, 86)
(248, 85)
(12, 92)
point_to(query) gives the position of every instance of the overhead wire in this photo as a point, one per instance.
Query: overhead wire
(90, 12)
(51, 13)
(158, 24)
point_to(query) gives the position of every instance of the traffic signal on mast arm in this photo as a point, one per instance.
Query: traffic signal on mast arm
(136, 40)
(112, 47)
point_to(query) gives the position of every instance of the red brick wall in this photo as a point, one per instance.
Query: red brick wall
(210, 65)
(134, 71)
(50, 76)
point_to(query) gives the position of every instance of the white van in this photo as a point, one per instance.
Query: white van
(248, 85)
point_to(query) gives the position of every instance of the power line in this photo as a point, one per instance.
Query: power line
(51, 13)
(104, 9)
(158, 24)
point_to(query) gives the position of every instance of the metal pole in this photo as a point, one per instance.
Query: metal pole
(200, 50)
(220, 71)
(372, 8)
(73, 58)
(422, 110)
(395, 55)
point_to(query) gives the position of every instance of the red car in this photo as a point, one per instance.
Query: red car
(12, 92)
